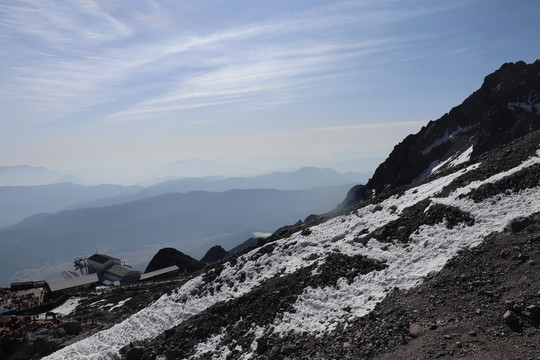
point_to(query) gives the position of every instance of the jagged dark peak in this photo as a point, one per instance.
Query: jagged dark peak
(215, 253)
(169, 257)
(505, 108)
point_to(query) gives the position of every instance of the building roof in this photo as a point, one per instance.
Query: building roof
(101, 258)
(64, 275)
(72, 283)
(123, 272)
(159, 272)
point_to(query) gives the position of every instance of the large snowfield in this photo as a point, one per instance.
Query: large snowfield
(320, 310)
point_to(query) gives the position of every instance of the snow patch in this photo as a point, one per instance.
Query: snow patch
(211, 345)
(525, 106)
(68, 306)
(431, 168)
(261, 235)
(455, 160)
(447, 136)
(120, 304)
(463, 158)
(317, 309)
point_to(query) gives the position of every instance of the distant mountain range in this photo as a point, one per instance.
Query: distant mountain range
(25, 175)
(302, 179)
(19, 202)
(192, 222)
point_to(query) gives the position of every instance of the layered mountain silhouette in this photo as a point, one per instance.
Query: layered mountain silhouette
(192, 222)
(26, 175)
(303, 179)
(20, 202)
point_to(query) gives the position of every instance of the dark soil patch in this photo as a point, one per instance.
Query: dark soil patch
(410, 220)
(523, 179)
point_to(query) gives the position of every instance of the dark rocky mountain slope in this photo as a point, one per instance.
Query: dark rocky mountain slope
(215, 253)
(505, 108)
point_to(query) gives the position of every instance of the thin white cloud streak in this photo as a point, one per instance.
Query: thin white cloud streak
(59, 22)
(233, 82)
(76, 68)
(280, 74)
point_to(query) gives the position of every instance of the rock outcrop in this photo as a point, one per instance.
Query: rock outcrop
(169, 256)
(215, 253)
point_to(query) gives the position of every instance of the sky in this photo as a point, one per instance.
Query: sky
(126, 91)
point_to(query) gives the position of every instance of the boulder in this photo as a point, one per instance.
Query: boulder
(510, 318)
(415, 330)
(262, 346)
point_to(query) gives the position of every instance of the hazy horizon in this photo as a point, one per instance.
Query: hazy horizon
(115, 92)
(184, 169)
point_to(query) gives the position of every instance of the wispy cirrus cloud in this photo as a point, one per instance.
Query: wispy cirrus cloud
(68, 56)
(53, 23)
(284, 75)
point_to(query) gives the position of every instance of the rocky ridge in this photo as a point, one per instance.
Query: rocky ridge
(505, 108)
(168, 256)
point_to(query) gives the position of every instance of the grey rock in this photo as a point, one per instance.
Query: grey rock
(287, 350)
(510, 317)
(262, 346)
(415, 330)
(533, 312)
(60, 332)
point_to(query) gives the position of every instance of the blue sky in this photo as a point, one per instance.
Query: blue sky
(112, 91)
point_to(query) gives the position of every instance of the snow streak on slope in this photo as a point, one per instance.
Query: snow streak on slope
(319, 310)
(455, 160)
(533, 108)
(447, 136)
(450, 162)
